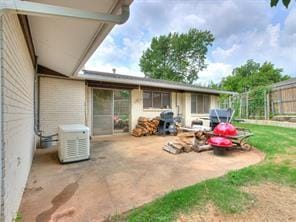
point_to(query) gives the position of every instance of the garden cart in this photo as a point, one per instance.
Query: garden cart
(224, 135)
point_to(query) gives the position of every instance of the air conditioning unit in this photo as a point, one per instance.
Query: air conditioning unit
(73, 143)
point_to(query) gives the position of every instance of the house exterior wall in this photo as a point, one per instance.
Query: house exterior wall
(190, 117)
(62, 101)
(137, 109)
(17, 89)
(179, 101)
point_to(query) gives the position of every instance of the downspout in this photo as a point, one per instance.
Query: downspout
(46, 10)
(36, 104)
(177, 105)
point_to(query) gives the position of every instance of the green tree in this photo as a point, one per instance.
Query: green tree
(177, 57)
(251, 75)
(275, 2)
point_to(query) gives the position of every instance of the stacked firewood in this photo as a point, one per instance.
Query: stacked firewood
(146, 127)
(201, 141)
(187, 142)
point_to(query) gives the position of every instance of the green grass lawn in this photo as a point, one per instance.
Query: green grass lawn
(279, 145)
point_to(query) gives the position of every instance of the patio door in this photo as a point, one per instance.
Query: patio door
(111, 111)
(121, 111)
(102, 112)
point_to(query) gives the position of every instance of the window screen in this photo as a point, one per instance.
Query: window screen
(206, 103)
(193, 104)
(200, 103)
(147, 99)
(154, 99)
(166, 100)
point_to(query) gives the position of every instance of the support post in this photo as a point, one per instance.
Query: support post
(268, 105)
(247, 105)
(240, 106)
(265, 105)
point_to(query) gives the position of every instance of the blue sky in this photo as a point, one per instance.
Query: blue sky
(243, 29)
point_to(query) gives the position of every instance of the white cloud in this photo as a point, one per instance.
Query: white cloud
(243, 30)
(223, 54)
(274, 32)
(268, 44)
(215, 72)
(290, 22)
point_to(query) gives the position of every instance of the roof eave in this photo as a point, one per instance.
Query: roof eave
(153, 84)
(103, 31)
(108, 19)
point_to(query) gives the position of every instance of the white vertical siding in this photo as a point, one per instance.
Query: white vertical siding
(18, 115)
(62, 101)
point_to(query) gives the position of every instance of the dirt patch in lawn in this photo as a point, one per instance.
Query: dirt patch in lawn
(272, 203)
(288, 158)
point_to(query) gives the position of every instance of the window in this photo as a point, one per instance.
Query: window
(156, 99)
(200, 103)
(166, 100)
(147, 99)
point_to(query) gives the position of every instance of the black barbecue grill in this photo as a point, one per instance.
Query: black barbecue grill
(220, 115)
(167, 124)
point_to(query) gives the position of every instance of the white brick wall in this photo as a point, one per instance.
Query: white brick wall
(62, 101)
(18, 118)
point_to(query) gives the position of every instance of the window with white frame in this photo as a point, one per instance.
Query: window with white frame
(156, 99)
(200, 103)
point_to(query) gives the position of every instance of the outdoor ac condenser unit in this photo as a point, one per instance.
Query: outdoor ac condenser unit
(73, 143)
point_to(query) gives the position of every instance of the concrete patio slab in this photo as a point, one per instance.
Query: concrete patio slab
(124, 172)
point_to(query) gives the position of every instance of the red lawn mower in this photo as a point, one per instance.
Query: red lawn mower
(225, 136)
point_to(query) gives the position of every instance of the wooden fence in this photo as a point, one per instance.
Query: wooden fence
(283, 100)
(277, 101)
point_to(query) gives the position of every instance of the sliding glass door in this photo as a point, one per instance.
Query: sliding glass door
(121, 111)
(111, 111)
(102, 112)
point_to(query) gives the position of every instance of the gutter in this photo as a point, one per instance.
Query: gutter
(98, 37)
(152, 84)
(46, 10)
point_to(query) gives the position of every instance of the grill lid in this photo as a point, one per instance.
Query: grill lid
(167, 114)
(225, 129)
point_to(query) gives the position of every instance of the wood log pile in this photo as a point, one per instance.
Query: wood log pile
(187, 142)
(146, 127)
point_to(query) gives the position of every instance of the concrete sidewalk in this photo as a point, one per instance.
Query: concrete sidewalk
(124, 172)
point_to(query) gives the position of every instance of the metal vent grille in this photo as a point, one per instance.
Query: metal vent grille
(71, 148)
(82, 147)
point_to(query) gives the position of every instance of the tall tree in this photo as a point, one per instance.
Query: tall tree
(177, 57)
(251, 75)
